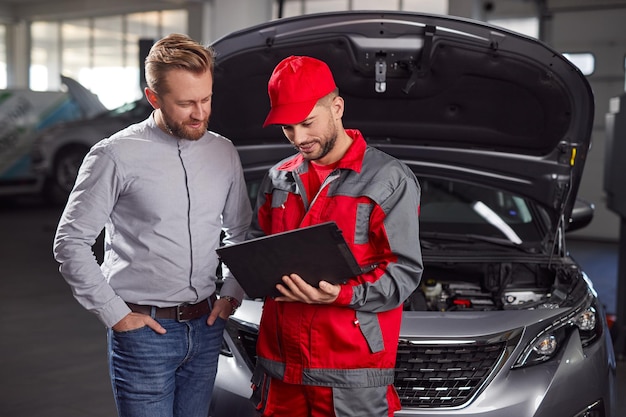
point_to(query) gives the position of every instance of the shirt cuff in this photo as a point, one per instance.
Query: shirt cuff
(114, 311)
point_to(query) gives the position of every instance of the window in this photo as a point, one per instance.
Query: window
(527, 26)
(425, 6)
(320, 6)
(77, 51)
(3, 57)
(298, 7)
(374, 5)
(45, 59)
(585, 62)
(101, 53)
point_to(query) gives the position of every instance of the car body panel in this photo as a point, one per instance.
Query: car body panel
(87, 131)
(24, 114)
(471, 100)
(551, 389)
(59, 150)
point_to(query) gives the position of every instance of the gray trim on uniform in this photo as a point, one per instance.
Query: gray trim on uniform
(387, 181)
(362, 377)
(362, 226)
(362, 401)
(279, 197)
(370, 327)
(272, 368)
(349, 378)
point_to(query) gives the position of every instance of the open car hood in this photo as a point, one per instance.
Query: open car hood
(88, 102)
(452, 97)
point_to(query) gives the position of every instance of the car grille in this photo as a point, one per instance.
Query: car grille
(436, 376)
(426, 376)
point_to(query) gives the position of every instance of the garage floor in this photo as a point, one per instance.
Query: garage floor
(52, 352)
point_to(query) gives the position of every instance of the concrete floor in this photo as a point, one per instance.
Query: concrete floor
(52, 352)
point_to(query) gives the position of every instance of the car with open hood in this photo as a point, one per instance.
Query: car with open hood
(59, 150)
(496, 126)
(24, 115)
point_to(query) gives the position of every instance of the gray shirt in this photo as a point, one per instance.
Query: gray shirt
(163, 203)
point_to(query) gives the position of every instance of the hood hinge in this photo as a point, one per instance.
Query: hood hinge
(423, 66)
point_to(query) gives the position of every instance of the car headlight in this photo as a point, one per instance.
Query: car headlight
(549, 341)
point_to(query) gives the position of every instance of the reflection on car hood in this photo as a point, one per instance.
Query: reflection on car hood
(429, 325)
(452, 97)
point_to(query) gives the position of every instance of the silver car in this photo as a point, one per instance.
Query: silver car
(59, 150)
(496, 126)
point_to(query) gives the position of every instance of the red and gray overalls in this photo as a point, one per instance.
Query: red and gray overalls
(349, 346)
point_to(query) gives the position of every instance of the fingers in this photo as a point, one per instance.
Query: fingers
(134, 321)
(330, 289)
(154, 325)
(222, 308)
(294, 288)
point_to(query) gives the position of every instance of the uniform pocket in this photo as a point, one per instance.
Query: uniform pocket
(362, 401)
(370, 328)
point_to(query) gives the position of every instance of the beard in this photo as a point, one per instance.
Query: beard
(180, 129)
(326, 142)
(327, 145)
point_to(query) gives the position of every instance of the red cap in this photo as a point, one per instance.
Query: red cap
(295, 86)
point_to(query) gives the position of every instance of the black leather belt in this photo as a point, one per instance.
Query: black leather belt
(182, 312)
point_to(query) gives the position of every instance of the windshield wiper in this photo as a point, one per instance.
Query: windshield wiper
(469, 238)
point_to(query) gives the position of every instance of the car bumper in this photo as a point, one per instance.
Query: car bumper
(545, 390)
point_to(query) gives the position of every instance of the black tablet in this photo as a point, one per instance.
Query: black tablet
(316, 253)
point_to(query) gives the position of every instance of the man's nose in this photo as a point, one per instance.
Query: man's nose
(199, 111)
(299, 135)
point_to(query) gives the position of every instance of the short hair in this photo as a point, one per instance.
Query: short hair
(328, 98)
(176, 51)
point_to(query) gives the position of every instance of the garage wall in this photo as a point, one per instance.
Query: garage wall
(596, 27)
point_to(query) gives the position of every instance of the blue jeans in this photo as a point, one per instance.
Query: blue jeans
(169, 375)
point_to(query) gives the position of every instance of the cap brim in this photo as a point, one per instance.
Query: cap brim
(289, 114)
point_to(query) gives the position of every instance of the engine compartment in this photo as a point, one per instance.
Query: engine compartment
(492, 286)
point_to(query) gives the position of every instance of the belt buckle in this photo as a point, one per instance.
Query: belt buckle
(179, 313)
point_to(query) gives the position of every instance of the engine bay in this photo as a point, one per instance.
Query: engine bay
(492, 286)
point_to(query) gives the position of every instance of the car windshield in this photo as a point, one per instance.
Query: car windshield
(458, 212)
(133, 107)
(468, 212)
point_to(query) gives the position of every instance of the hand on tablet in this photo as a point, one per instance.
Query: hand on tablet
(294, 288)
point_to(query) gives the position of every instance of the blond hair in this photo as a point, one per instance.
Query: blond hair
(176, 51)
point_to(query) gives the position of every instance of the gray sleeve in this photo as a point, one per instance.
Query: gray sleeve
(87, 210)
(402, 276)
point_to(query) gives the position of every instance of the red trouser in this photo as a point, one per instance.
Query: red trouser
(289, 400)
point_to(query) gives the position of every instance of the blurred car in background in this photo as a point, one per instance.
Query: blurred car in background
(497, 127)
(23, 115)
(59, 150)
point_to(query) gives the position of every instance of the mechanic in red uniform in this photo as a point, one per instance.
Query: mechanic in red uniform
(331, 351)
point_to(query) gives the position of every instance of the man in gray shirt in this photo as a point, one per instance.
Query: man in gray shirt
(164, 190)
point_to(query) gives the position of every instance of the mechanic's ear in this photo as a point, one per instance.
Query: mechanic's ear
(153, 99)
(337, 107)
